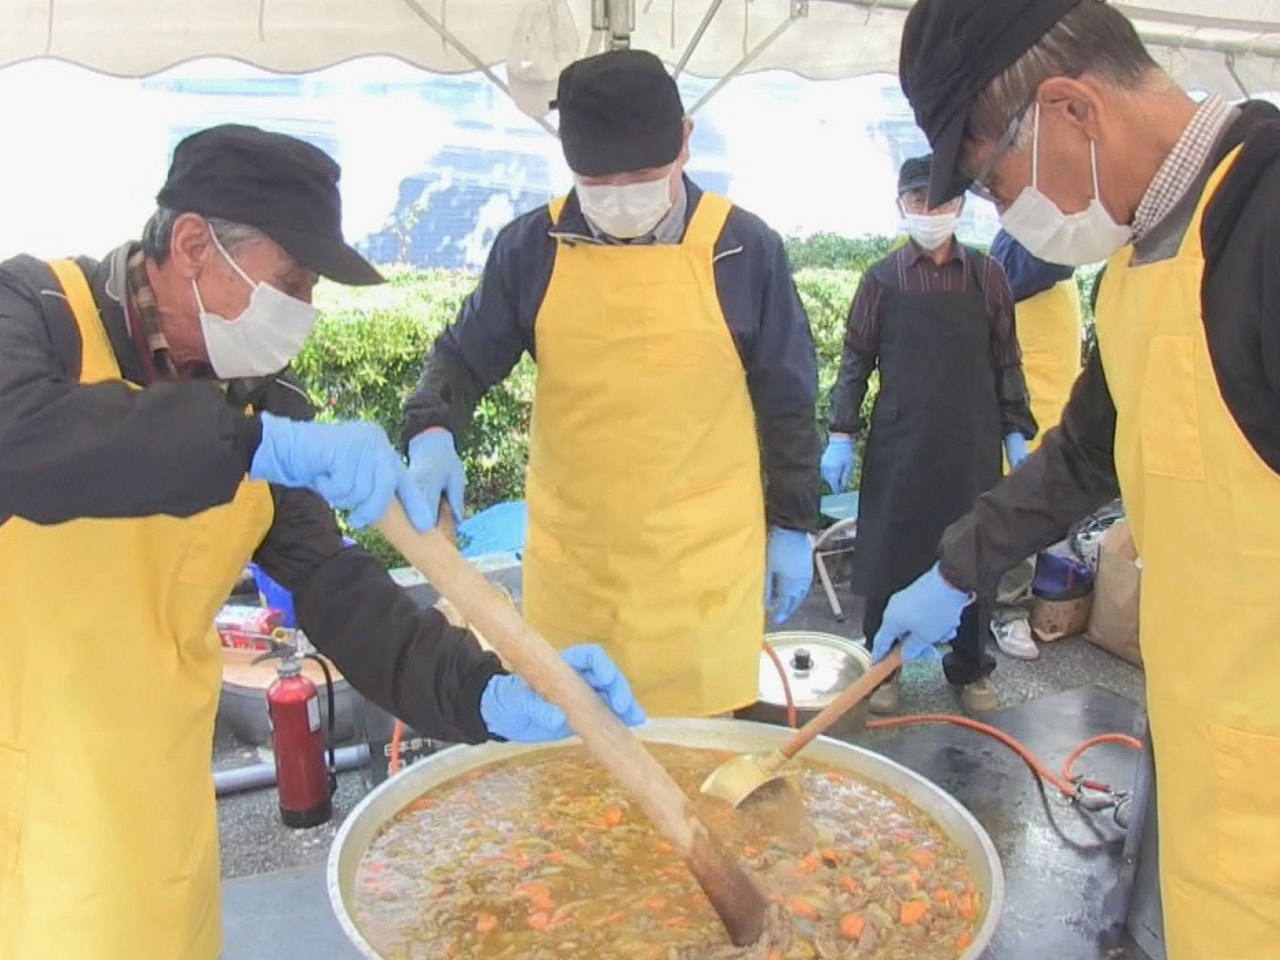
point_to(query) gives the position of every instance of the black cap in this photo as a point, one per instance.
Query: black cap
(619, 111)
(284, 187)
(914, 174)
(951, 51)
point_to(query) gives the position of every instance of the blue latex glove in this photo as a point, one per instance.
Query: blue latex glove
(923, 614)
(434, 463)
(838, 461)
(511, 710)
(1015, 449)
(352, 465)
(788, 572)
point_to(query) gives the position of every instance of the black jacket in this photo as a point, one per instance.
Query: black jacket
(761, 309)
(69, 451)
(1073, 473)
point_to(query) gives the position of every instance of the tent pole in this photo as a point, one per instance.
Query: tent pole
(470, 57)
(1230, 60)
(698, 34)
(799, 9)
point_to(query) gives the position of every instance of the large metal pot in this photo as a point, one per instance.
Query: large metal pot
(380, 806)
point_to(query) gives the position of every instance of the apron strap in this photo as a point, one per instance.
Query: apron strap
(556, 208)
(1192, 246)
(708, 221)
(97, 359)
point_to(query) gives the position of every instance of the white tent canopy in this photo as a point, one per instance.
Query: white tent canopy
(1227, 46)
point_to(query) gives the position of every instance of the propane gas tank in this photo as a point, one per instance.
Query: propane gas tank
(293, 705)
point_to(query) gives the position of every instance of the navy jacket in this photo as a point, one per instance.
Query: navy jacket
(1028, 275)
(496, 327)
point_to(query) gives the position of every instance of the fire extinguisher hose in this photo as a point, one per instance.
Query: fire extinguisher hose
(331, 735)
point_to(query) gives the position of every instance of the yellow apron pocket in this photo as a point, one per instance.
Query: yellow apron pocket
(13, 806)
(1170, 412)
(1247, 816)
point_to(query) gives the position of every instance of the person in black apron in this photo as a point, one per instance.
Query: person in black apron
(936, 319)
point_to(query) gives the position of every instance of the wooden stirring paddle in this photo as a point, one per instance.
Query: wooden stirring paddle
(735, 897)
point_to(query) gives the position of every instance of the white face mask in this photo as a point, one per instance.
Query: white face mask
(264, 338)
(626, 211)
(931, 232)
(1075, 239)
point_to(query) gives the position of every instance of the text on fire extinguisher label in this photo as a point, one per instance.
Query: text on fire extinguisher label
(313, 714)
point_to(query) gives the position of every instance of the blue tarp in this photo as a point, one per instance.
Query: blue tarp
(500, 529)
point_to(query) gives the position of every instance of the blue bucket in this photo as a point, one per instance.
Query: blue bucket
(277, 597)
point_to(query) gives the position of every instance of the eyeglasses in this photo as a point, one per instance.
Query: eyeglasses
(978, 186)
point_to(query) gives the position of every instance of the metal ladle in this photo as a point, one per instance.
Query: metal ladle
(737, 779)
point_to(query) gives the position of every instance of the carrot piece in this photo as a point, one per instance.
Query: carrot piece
(751, 852)
(665, 847)
(963, 941)
(657, 903)
(555, 856)
(561, 916)
(539, 920)
(533, 890)
(774, 898)
(912, 912)
(486, 923)
(913, 875)
(810, 863)
(942, 895)
(422, 803)
(852, 925)
(924, 859)
(611, 919)
(611, 817)
(546, 824)
(375, 866)
(965, 905)
(851, 885)
(803, 908)
(835, 778)
(829, 856)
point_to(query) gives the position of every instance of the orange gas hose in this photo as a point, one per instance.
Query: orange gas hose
(1066, 783)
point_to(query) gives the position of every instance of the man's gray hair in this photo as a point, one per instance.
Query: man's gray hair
(157, 235)
(1093, 37)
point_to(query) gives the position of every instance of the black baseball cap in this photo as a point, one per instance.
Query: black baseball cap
(951, 51)
(914, 174)
(278, 184)
(619, 111)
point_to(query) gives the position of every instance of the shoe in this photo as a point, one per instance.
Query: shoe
(885, 699)
(1015, 639)
(979, 697)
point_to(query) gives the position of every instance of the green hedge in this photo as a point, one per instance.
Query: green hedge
(367, 352)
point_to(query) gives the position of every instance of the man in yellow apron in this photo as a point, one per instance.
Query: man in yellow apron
(150, 445)
(1056, 110)
(1049, 333)
(667, 333)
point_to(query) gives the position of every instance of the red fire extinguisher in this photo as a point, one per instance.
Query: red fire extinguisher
(304, 783)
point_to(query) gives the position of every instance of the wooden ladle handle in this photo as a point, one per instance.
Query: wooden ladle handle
(842, 704)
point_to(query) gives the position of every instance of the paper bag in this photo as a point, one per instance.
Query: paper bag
(1113, 621)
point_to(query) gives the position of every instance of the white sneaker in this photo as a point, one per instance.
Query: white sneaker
(1015, 639)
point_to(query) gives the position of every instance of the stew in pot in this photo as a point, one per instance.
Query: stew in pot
(543, 857)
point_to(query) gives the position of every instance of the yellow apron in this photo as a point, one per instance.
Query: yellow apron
(1049, 330)
(646, 510)
(1205, 512)
(108, 690)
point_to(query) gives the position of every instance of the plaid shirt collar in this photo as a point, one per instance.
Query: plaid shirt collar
(1182, 167)
(144, 318)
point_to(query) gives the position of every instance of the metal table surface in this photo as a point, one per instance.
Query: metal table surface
(1059, 861)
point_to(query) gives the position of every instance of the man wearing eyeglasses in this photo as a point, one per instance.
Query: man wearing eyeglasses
(936, 319)
(1091, 151)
